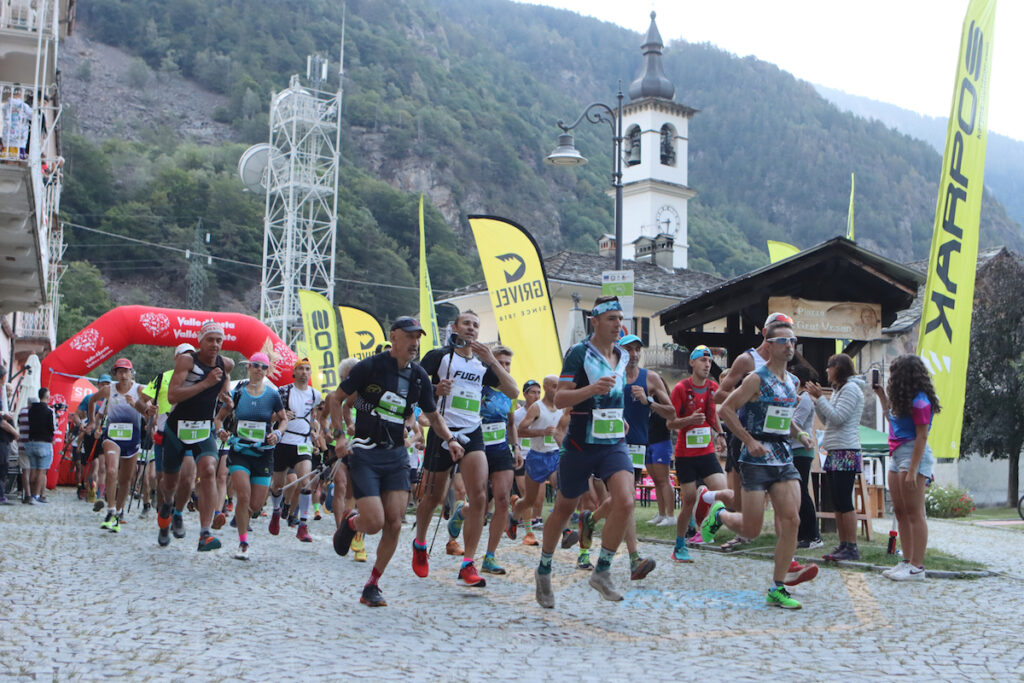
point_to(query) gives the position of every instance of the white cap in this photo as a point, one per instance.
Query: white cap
(183, 348)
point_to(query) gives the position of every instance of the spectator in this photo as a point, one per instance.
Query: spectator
(8, 435)
(17, 120)
(42, 423)
(23, 461)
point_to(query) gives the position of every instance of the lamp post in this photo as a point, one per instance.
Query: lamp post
(566, 154)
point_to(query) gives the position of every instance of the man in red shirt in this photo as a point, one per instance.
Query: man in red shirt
(697, 422)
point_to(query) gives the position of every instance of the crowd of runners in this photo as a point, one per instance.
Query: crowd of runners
(455, 430)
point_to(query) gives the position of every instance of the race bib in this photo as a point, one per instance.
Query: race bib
(494, 433)
(464, 400)
(637, 452)
(524, 444)
(391, 408)
(607, 423)
(120, 431)
(193, 431)
(252, 430)
(777, 420)
(698, 437)
(549, 440)
(305, 449)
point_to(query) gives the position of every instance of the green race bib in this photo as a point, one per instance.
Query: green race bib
(391, 408)
(607, 423)
(252, 430)
(637, 452)
(193, 431)
(120, 431)
(777, 420)
(494, 433)
(698, 437)
(466, 401)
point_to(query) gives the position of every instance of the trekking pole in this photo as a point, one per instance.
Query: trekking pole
(304, 478)
(136, 485)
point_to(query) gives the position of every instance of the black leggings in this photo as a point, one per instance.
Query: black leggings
(841, 486)
(808, 515)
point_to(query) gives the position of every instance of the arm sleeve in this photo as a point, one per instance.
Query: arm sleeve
(357, 377)
(848, 406)
(426, 398)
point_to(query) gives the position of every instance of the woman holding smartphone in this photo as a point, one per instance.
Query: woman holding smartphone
(910, 402)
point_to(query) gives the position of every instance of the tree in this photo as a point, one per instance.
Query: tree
(83, 298)
(994, 407)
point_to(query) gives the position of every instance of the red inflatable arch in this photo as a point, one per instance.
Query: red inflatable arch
(127, 325)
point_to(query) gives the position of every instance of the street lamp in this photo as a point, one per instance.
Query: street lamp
(566, 154)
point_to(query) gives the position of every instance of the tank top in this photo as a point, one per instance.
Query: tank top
(636, 414)
(769, 416)
(546, 418)
(203, 405)
(121, 408)
(517, 417)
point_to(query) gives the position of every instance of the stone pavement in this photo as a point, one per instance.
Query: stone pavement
(77, 602)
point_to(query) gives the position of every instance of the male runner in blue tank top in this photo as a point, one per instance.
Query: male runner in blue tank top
(766, 462)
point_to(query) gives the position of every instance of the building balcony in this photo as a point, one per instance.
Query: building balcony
(31, 29)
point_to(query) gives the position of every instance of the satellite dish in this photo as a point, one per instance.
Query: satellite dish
(252, 167)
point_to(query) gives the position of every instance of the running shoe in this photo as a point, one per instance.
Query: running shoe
(799, 573)
(115, 525)
(574, 518)
(530, 539)
(512, 529)
(219, 520)
(293, 521)
(569, 538)
(108, 521)
(470, 578)
(846, 554)
(538, 523)
(587, 529)
(696, 539)
(358, 547)
(642, 567)
(816, 543)
(4, 501)
(81, 493)
(829, 555)
(700, 510)
(420, 561)
(303, 534)
(145, 511)
(491, 566)
(316, 514)
(90, 497)
(583, 561)
(163, 537)
(344, 535)
(98, 505)
(891, 570)
(243, 552)
(372, 597)
(453, 548)
(208, 542)
(667, 521)
(656, 520)
(229, 506)
(602, 583)
(909, 572)
(275, 523)
(779, 597)
(681, 554)
(455, 521)
(710, 526)
(545, 596)
(178, 526)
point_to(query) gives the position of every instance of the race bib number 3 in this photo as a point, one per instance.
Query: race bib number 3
(193, 431)
(494, 433)
(698, 437)
(120, 431)
(465, 400)
(391, 408)
(252, 430)
(777, 420)
(608, 424)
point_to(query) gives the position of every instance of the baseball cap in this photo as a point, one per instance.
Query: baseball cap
(530, 383)
(259, 357)
(104, 378)
(183, 348)
(777, 318)
(302, 361)
(629, 339)
(700, 352)
(123, 363)
(407, 324)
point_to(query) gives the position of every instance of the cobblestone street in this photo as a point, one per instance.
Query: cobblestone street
(78, 602)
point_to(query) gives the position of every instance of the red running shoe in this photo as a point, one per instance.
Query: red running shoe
(470, 578)
(303, 534)
(420, 561)
(275, 523)
(798, 573)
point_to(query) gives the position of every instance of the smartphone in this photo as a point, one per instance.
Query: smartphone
(876, 377)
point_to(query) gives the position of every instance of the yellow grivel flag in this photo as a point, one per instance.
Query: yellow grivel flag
(320, 330)
(945, 336)
(849, 215)
(428, 317)
(780, 250)
(362, 332)
(518, 291)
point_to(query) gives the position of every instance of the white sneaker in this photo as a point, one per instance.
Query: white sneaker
(892, 570)
(655, 520)
(911, 573)
(243, 552)
(667, 521)
(901, 571)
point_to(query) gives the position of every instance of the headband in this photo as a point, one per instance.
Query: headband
(606, 306)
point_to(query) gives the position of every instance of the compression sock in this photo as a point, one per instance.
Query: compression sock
(243, 537)
(545, 563)
(375, 575)
(305, 502)
(634, 557)
(604, 561)
(466, 561)
(276, 497)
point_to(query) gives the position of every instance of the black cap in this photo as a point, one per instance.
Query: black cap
(407, 324)
(530, 383)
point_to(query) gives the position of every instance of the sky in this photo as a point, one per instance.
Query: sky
(903, 52)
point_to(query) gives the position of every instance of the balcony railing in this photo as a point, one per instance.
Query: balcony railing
(28, 15)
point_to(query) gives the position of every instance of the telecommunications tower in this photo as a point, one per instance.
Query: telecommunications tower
(298, 171)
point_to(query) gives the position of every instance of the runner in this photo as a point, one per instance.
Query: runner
(295, 450)
(199, 378)
(592, 384)
(86, 461)
(121, 438)
(766, 462)
(531, 394)
(388, 385)
(459, 372)
(156, 391)
(257, 409)
(699, 430)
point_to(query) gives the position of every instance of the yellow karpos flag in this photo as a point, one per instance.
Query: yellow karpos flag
(362, 332)
(945, 336)
(849, 215)
(428, 317)
(320, 329)
(518, 290)
(780, 250)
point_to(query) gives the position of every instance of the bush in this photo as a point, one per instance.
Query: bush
(948, 501)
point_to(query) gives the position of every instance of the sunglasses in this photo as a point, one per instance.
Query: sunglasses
(259, 366)
(782, 340)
